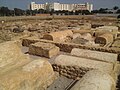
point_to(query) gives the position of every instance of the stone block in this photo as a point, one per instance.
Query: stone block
(116, 43)
(66, 60)
(59, 36)
(43, 49)
(108, 28)
(102, 56)
(95, 80)
(11, 56)
(98, 33)
(81, 31)
(104, 39)
(29, 40)
(36, 75)
(76, 35)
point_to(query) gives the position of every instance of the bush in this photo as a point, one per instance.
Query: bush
(118, 17)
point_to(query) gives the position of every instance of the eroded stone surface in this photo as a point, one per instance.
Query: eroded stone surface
(95, 80)
(66, 60)
(43, 49)
(102, 56)
(59, 36)
(19, 72)
(29, 40)
(104, 39)
(36, 75)
(116, 43)
(11, 56)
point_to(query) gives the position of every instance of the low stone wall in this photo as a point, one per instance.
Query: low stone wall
(75, 67)
(72, 72)
(67, 47)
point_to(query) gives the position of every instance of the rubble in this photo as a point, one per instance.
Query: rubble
(17, 30)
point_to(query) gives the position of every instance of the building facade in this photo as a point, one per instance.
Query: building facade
(34, 6)
(58, 6)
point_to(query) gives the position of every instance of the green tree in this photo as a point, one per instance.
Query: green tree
(86, 12)
(102, 10)
(4, 11)
(118, 17)
(118, 11)
(18, 12)
(28, 12)
(95, 11)
(41, 11)
(115, 8)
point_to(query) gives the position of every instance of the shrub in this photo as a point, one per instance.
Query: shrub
(118, 17)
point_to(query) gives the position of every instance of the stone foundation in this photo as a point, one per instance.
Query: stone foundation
(67, 47)
(72, 72)
(75, 67)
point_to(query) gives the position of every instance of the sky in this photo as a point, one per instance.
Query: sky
(23, 4)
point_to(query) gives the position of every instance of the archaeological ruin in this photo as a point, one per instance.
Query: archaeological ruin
(60, 53)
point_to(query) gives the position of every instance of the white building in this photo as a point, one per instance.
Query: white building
(34, 6)
(58, 6)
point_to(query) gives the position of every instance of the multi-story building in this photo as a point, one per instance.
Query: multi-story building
(58, 6)
(34, 6)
